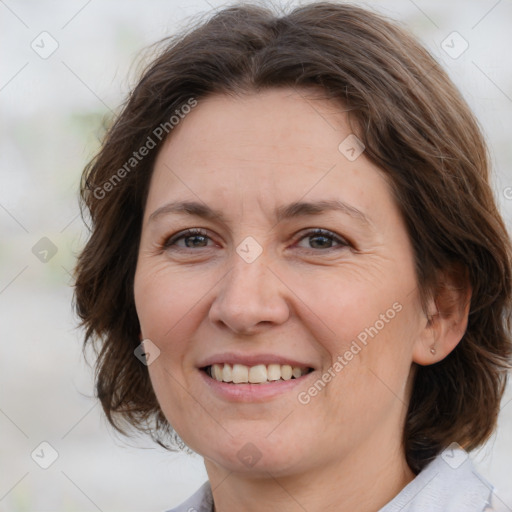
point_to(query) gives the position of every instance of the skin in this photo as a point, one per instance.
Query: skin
(304, 297)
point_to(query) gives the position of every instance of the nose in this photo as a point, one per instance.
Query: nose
(251, 296)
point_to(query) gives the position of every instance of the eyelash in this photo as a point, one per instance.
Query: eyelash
(171, 241)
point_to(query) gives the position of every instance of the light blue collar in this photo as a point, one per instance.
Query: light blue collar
(449, 483)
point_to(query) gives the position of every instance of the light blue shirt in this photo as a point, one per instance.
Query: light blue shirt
(449, 483)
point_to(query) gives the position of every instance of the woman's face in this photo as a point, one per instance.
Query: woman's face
(257, 287)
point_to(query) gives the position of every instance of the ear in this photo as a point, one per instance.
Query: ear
(446, 319)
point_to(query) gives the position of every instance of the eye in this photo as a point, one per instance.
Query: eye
(193, 237)
(198, 238)
(322, 239)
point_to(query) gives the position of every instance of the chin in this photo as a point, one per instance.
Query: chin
(255, 455)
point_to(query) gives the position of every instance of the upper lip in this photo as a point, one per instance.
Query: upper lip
(251, 360)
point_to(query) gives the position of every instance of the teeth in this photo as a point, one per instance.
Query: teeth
(240, 373)
(273, 372)
(217, 372)
(286, 372)
(227, 373)
(259, 374)
(296, 372)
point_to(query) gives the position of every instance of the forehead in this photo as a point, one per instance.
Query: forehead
(271, 147)
(289, 126)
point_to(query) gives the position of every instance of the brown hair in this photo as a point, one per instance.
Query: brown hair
(416, 127)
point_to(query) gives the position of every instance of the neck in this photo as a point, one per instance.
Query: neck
(358, 482)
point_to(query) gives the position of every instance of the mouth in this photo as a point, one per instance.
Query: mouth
(236, 374)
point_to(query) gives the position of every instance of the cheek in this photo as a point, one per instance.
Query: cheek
(164, 310)
(165, 300)
(373, 324)
(359, 307)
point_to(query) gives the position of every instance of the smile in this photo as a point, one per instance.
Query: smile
(257, 374)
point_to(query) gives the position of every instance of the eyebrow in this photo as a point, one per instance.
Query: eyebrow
(292, 210)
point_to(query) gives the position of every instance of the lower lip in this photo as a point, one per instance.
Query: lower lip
(252, 392)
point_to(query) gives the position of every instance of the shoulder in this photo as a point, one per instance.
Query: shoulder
(450, 483)
(200, 501)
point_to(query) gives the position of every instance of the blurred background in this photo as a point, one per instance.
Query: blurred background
(65, 68)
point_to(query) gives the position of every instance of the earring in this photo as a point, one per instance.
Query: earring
(432, 350)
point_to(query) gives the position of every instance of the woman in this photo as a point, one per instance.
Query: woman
(297, 267)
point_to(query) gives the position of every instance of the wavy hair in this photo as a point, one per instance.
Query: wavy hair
(416, 127)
